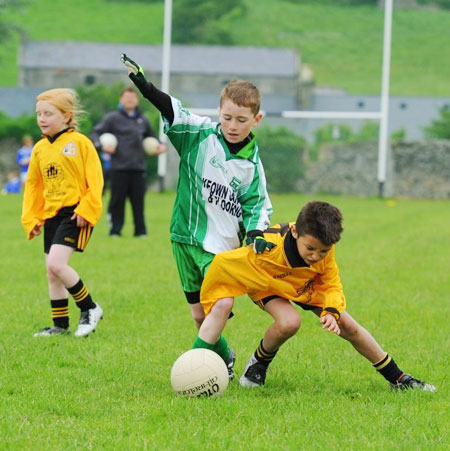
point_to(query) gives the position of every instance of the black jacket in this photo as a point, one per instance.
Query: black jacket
(129, 131)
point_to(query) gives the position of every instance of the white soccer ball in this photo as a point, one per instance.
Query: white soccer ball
(150, 145)
(108, 140)
(199, 373)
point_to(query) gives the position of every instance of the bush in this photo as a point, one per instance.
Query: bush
(16, 128)
(444, 4)
(440, 128)
(281, 153)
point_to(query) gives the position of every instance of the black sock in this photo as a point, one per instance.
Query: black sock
(264, 357)
(388, 369)
(81, 296)
(60, 312)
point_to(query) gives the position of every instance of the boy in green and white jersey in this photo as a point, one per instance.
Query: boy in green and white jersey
(221, 192)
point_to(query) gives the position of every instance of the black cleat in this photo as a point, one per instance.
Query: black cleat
(254, 374)
(51, 331)
(406, 382)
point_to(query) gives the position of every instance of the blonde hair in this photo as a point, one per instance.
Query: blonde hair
(66, 100)
(242, 93)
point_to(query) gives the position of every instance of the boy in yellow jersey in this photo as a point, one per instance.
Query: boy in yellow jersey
(298, 269)
(63, 194)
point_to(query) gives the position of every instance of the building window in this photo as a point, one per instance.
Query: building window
(89, 80)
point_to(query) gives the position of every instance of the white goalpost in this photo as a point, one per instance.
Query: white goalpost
(382, 115)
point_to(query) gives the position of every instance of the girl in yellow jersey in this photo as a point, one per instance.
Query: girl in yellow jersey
(298, 268)
(63, 194)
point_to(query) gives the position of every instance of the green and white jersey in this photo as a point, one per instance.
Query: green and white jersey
(220, 196)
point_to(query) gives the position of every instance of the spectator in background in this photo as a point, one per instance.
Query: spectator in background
(106, 166)
(13, 184)
(128, 160)
(23, 157)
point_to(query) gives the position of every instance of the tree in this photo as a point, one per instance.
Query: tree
(200, 21)
(440, 128)
(7, 28)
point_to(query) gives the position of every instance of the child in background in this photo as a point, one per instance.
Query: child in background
(63, 194)
(300, 270)
(221, 192)
(23, 157)
(13, 184)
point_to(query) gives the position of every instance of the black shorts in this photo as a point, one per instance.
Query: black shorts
(262, 302)
(62, 230)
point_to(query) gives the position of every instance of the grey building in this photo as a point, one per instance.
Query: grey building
(198, 73)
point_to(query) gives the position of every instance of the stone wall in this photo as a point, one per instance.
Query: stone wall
(422, 169)
(415, 169)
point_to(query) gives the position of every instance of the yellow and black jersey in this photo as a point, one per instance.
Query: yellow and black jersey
(281, 272)
(64, 171)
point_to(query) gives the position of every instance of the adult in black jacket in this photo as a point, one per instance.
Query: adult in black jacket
(128, 160)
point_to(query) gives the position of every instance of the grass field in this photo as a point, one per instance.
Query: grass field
(112, 390)
(342, 44)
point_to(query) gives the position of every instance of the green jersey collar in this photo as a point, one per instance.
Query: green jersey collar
(248, 152)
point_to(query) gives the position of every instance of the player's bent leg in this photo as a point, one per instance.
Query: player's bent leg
(57, 264)
(210, 332)
(360, 338)
(286, 324)
(56, 288)
(215, 321)
(198, 315)
(368, 347)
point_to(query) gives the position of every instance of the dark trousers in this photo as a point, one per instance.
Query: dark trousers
(131, 184)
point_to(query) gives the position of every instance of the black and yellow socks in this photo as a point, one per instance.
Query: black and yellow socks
(388, 369)
(264, 357)
(81, 296)
(60, 312)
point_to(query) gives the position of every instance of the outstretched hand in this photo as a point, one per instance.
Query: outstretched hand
(133, 67)
(329, 322)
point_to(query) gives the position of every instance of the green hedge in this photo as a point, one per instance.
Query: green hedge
(282, 154)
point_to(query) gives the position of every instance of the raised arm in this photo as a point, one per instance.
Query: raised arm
(159, 99)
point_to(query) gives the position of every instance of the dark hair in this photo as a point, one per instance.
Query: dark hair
(242, 93)
(320, 220)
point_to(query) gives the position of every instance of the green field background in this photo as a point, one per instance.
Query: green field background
(112, 390)
(342, 44)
